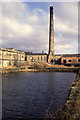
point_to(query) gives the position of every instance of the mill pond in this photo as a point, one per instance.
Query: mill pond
(29, 94)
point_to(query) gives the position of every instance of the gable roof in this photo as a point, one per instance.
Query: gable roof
(71, 55)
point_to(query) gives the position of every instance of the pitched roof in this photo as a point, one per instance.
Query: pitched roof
(30, 53)
(71, 55)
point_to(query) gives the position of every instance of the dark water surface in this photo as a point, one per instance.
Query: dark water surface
(28, 94)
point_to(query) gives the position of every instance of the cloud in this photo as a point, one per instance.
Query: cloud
(69, 47)
(66, 28)
(14, 27)
(28, 29)
(24, 29)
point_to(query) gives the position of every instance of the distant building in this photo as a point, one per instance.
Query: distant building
(70, 59)
(11, 57)
(36, 57)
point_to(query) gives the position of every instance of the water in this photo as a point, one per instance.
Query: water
(28, 94)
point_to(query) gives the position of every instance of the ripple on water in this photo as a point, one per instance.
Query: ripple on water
(29, 94)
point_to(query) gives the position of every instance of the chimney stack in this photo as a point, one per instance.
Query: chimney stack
(51, 37)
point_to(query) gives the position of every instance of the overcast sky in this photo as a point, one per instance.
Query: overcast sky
(25, 26)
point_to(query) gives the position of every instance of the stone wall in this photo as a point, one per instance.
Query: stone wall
(11, 57)
(36, 58)
(0, 58)
(71, 109)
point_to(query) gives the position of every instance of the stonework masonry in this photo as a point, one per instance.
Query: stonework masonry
(11, 57)
(37, 58)
(51, 38)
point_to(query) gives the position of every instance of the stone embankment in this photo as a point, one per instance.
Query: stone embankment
(71, 109)
(72, 106)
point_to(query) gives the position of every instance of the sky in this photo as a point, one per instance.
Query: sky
(25, 26)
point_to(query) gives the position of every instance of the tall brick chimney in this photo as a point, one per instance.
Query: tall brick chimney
(51, 38)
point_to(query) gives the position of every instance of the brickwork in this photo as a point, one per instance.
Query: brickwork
(70, 60)
(51, 38)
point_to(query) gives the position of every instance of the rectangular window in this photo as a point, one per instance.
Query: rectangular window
(41, 58)
(44, 58)
(69, 60)
(64, 61)
(78, 60)
(38, 58)
(26, 58)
